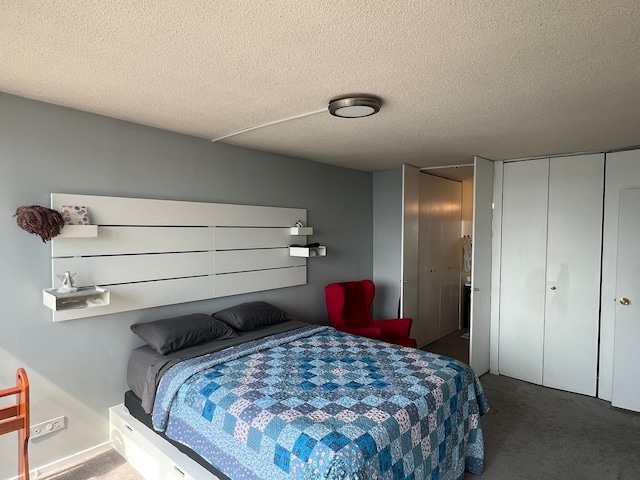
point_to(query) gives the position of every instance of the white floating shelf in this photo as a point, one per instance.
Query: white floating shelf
(76, 231)
(301, 230)
(308, 251)
(84, 297)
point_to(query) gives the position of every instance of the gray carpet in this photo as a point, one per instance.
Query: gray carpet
(534, 432)
(107, 466)
(531, 432)
(453, 345)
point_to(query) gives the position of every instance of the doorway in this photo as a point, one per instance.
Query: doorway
(445, 226)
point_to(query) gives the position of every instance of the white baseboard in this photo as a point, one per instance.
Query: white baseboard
(69, 461)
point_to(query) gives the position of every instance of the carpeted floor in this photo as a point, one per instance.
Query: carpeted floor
(107, 466)
(453, 345)
(534, 432)
(531, 432)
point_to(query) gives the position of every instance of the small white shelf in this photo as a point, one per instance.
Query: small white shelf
(301, 230)
(303, 251)
(76, 231)
(308, 251)
(84, 297)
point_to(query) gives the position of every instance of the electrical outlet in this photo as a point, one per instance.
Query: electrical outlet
(48, 427)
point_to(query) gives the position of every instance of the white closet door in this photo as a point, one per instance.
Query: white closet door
(622, 172)
(626, 375)
(573, 273)
(522, 284)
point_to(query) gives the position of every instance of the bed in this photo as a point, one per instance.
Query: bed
(280, 399)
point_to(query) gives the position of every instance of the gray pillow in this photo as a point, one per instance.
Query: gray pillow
(252, 315)
(171, 334)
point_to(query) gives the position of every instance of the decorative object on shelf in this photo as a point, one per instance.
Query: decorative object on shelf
(67, 283)
(75, 215)
(41, 221)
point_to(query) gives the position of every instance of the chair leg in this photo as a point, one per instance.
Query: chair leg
(23, 455)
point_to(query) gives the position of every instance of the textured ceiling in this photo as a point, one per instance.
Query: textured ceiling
(497, 78)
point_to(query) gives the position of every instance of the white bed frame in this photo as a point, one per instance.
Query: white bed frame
(150, 454)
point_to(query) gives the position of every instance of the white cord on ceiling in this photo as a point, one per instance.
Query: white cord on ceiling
(447, 166)
(269, 124)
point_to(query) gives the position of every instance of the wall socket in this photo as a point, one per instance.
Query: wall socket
(50, 426)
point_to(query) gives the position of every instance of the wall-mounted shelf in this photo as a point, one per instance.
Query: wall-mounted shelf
(305, 250)
(76, 231)
(308, 251)
(301, 230)
(84, 297)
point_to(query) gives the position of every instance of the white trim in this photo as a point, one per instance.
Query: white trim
(70, 461)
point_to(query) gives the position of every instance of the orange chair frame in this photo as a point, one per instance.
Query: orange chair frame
(16, 417)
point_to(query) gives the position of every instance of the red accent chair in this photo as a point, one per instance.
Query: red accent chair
(349, 309)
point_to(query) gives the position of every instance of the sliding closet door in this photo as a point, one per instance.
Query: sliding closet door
(573, 273)
(523, 259)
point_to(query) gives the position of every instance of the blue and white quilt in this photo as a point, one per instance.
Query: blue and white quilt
(315, 403)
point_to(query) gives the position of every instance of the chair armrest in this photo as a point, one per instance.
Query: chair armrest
(395, 327)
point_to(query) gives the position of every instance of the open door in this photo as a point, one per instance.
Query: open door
(409, 272)
(480, 323)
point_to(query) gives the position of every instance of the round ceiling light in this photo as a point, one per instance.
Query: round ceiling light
(354, 107)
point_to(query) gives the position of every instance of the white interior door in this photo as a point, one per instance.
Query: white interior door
(574, 244)
(626, 374)
(480, 323)
(523, 264)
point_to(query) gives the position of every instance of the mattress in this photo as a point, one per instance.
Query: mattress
(146, 366)
(315, 403)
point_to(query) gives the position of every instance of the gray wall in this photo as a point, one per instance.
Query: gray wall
(387, 242)
(77, 368)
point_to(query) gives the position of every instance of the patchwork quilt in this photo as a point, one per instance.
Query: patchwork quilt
(315, 403)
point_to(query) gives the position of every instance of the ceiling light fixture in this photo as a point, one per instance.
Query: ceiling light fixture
(354, 106)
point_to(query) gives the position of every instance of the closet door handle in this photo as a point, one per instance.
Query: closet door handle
(553, 288)
(624, 301)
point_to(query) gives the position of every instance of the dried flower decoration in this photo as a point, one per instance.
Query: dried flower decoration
(41, 221)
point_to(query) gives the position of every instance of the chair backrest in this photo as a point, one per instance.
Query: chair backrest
(16, 417)
(349, 303)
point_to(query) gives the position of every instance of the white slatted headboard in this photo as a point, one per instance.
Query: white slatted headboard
(160, 252)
